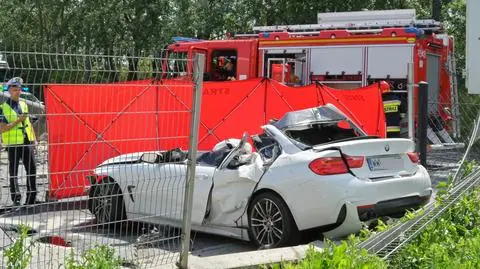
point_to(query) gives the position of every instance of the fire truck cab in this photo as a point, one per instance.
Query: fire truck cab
(343, 50)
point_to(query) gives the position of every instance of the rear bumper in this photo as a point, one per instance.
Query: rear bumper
(317, 203)
(392, 208)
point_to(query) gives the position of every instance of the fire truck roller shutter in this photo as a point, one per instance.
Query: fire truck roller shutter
(389, 61)
(336, 60)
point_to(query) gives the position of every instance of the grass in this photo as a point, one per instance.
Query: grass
(452, 241)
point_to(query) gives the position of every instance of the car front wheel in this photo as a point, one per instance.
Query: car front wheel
(270, 222)
(107, 203)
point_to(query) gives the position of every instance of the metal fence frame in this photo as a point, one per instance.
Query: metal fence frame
(72, 69)
(199, 63)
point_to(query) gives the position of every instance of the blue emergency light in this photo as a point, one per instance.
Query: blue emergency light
(415, 30)
(177, 39)
(24, 89)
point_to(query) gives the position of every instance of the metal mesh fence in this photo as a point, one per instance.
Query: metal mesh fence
(109, 165)
(449, 135)
(456, 163)
(109, 161)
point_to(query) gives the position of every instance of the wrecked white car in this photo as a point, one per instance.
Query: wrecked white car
(312, 169)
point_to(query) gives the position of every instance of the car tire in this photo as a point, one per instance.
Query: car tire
(270, 223)
(107, 203)
(91, 194)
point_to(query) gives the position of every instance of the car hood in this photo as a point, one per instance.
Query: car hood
(308, 116)
(124, 158)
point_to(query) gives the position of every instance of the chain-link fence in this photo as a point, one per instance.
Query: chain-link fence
(451, 124)
(109, 166)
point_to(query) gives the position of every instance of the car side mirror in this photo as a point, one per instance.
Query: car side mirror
(150, 157)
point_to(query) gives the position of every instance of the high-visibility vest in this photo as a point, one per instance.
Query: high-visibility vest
(15, 136)
(391, 107)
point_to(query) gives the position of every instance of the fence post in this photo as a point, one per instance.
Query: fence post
(410, 100)
(421, 145)
(198, 63)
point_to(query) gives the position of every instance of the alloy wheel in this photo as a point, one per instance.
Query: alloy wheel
(267, 222)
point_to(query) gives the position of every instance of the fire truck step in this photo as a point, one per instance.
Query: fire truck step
(442, 134)
(437, 144)
(432, 137)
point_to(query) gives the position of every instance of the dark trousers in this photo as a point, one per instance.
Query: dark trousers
(393, 135)
(27, 155)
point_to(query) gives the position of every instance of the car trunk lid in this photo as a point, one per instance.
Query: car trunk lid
(382, 158)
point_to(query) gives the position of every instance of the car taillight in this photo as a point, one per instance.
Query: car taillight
(413, 157)
(354, 161)
(335, 165)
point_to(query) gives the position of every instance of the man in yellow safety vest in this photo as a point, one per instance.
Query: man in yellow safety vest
(18, 137)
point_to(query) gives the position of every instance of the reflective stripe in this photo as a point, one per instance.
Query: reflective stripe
(396, 102)
(393, 129)
(389, 108)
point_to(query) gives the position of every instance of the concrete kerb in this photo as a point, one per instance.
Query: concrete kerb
(249, 259)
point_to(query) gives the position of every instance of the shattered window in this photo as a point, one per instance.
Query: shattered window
(213, 158)
(267, 147)
(324, 132)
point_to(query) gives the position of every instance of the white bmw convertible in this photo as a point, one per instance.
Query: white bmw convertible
(311, 170)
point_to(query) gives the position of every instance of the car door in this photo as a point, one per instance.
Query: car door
(232, 187)
(161, 192)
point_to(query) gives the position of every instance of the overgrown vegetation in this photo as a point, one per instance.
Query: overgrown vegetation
(345, 255)
(19, 254)
(100, 257)
(452, 241)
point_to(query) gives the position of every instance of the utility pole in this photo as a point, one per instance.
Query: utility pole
(436, 10)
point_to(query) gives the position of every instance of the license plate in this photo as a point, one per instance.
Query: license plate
(384, 163)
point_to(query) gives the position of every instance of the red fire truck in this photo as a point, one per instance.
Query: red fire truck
(343, 50)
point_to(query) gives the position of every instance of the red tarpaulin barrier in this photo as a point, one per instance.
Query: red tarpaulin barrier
(364, 106)
(229, 109)
(88, 124)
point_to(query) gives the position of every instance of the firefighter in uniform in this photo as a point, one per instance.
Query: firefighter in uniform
(391, 107)
(19, 139)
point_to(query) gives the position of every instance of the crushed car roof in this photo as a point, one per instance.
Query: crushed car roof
(324, 113)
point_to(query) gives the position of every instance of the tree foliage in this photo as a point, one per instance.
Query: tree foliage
(141, 26)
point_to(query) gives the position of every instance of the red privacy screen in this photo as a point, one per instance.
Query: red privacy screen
(88, 124)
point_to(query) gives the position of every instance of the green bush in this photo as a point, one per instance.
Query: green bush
(452, 241)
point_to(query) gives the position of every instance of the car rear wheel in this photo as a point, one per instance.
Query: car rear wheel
(107, 203)
(270, 222)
